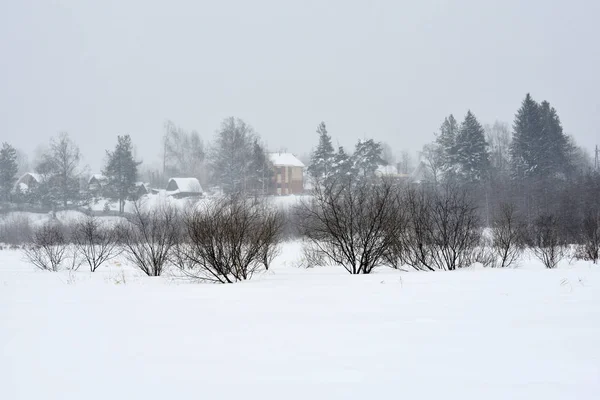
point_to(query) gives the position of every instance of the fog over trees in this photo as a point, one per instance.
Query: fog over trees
(526, 185)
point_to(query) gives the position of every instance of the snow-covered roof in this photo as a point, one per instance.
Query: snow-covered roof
(186, 185)
(98, 177)
(285, 160)
(36, 177)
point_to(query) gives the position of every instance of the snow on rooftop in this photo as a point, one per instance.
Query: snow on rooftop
(98, 177)
(186, 185)
(285, 160)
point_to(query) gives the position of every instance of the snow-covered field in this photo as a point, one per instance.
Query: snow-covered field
(524, 333)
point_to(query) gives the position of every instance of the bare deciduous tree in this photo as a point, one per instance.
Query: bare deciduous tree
(351, 224)
(545, 240)
(508, 235)
(95, 242)
(48, 247)
(149, 235)
(229, 241)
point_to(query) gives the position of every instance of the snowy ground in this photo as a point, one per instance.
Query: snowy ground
(524, 333)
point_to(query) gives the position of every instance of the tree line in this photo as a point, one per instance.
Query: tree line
(236, 161)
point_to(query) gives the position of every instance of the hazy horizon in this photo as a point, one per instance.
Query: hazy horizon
(382, 69)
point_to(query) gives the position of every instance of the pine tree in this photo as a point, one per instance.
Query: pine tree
(540, 148)
(446, 141)
(8, 170)
(322, 159)
(470, 149)
(554, 144)
(121, 171)
(343, 167)
(527, 130)
(367, 157)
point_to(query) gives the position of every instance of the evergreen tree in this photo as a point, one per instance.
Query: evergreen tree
(121, 171)
(446, 141)
(322, 159)
(527, 129)
(261, 170)
(367, 157)
(540, 148)
(231, 155)
(555, 146)
(8, 170)
(343, 167)
(470, 149)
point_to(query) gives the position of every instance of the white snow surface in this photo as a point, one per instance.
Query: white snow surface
(285, 160)
(291, 333)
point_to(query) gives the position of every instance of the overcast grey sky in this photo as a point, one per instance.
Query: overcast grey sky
(390, 70)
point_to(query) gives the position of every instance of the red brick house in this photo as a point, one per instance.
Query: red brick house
(289, 174)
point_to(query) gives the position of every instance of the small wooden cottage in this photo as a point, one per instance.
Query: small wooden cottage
(184, 187)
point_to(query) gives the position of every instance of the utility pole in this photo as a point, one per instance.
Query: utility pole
(597, 159)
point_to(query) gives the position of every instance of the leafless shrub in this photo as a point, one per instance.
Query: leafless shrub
(351, 223)
(15, 229)
(484, 252)
(95, 242)
(415, 242)
(311, 256)
(229, 241)
(589, 249)
(47, 248)
(442, 230)
(455, 232)
(545, 240)
(509, 232)
(148, 237)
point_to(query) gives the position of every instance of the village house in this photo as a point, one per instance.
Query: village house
(184, 187)
(28, 182)
(289, 174)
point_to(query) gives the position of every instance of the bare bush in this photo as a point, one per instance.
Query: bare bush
(47, 248)
(545, 240)
(229, 241)
(509, 232)
(442, 229)
(148, 237)
(351, 224)
(95, 242)
(415, 242)
(455, 233)
(589, 249)
(15, 229)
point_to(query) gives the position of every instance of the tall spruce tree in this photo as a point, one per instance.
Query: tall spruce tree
(470, 149)
(554, 144)
(539, 148)
(8, 170)
(322, 159)
(121, 171)
(527, 130)
(446, 141)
